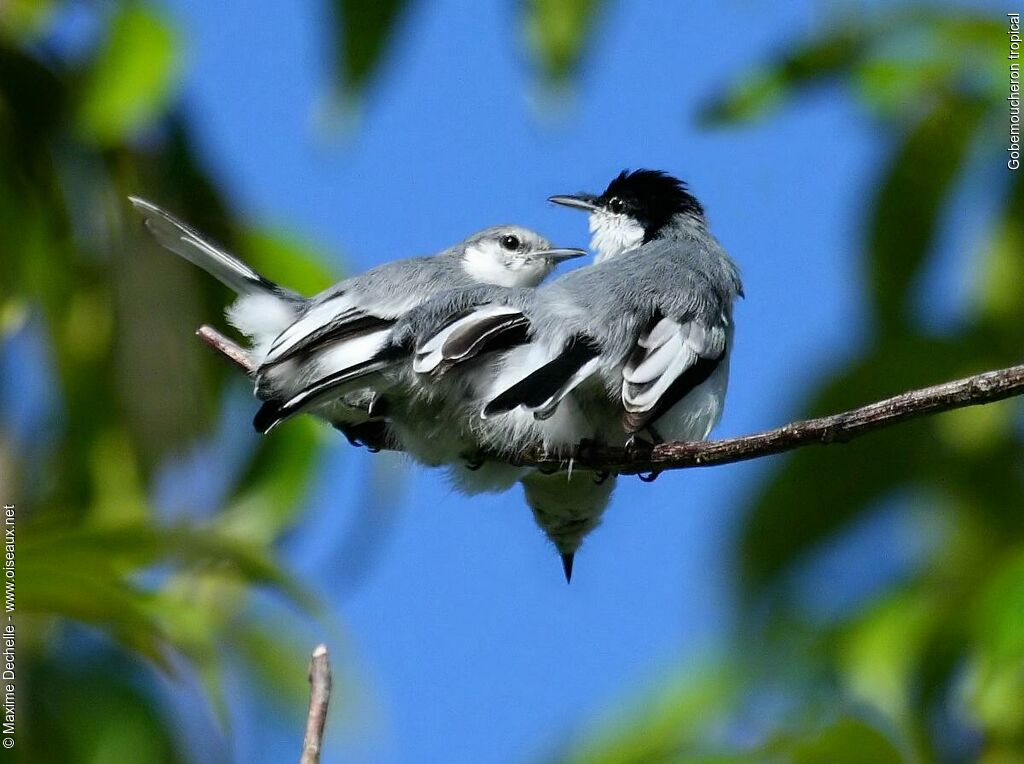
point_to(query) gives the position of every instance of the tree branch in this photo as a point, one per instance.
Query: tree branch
(231, 350)
(319, 697)
(976, 390)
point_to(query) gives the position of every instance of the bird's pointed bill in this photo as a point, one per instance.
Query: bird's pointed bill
(559, 254)
(567, 560)
(586, 202)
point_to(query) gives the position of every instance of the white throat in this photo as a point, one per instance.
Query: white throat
(490, 267)
(613, 235)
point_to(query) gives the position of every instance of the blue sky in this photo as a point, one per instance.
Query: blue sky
(464, 641)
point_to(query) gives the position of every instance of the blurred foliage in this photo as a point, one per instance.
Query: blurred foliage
(113, 317)
(930, 664)
(364, 32)
(556, 31)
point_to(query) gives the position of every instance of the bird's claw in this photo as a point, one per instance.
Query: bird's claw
(637, 448)
(649, 477)
(601, 476)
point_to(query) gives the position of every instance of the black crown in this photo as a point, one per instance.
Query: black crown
(653, 197)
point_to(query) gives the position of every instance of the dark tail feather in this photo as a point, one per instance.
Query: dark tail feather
(273, 412)
(268, 417)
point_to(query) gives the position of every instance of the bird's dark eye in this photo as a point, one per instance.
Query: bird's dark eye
(510, 242)
(616, 205)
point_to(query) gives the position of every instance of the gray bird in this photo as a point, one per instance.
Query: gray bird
(297, 340)
(638, 343)
(642, 339)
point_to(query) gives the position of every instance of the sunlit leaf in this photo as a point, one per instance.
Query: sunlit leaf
(997, 657)
(999, 297)
(847, 741)
(880, 652)
(557, 31)
(132, 78)
(276, 660)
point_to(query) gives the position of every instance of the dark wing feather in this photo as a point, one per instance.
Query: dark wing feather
(275, 411)
(496, 333)
(694, 376)
(540, 387)
(670, 359)
(347, 326)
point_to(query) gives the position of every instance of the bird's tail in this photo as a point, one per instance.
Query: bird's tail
(263, 309)
(567, 507)
(365, 374)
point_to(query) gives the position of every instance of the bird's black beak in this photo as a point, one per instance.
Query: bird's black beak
(558, 254)
(581, 201)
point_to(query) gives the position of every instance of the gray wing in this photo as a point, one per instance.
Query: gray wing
(466, 337)
(670, 359)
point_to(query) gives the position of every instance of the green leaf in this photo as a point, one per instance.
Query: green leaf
(364, 31)
(879, 653)
(25, 19)
(556, 31)
(905, 214)
(90, 591)
(668, 724)
(996, 676)
(998, 296)
(809, 64)
(286, 259)
(817, 491)
(127, 549)
(273, 485)
(847, 741)
(132, 78)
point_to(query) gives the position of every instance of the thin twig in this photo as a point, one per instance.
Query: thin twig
(230, 349)
(319, 697)
(976, 390)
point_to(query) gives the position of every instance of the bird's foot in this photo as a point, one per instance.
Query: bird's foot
(637, 448)
(601, 476)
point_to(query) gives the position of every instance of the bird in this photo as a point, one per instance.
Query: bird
(642, 338)
(435, 413)
(297, 340)
(638, 343)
